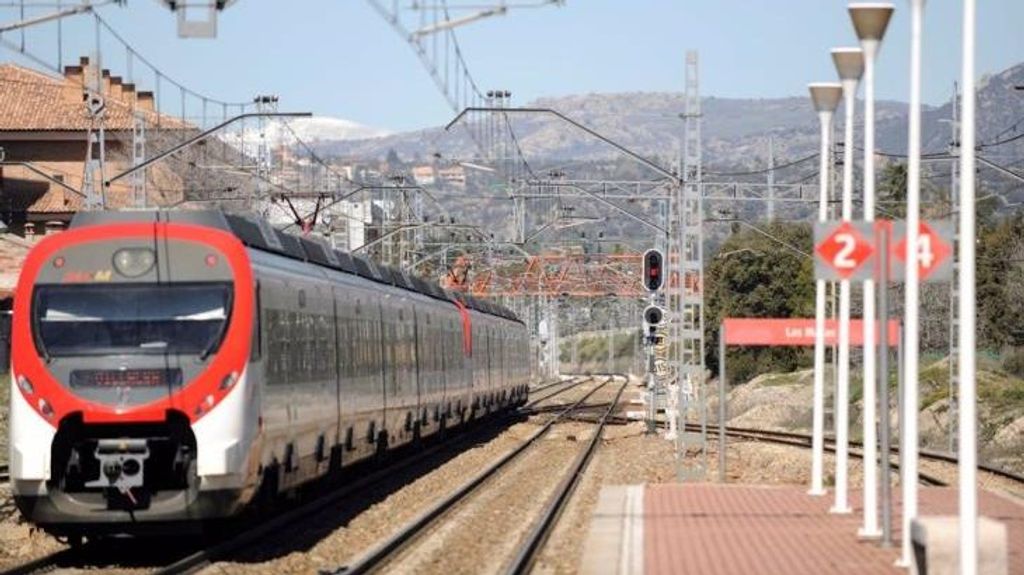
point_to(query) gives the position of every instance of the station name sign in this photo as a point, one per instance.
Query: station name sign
(795, 332)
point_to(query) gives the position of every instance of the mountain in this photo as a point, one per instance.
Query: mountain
(735, 132)
(322, 129)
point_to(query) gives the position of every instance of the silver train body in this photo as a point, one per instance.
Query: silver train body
(335, 361)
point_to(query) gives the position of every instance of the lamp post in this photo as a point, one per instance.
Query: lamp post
(825, 98)
(968, 417)
(911, 343)
(850, 66)
(870, 21)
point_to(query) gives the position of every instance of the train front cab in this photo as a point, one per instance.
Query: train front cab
(131, 404)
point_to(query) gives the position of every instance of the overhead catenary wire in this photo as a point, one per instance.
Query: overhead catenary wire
(765, 170)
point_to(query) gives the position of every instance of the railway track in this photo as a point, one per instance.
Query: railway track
(804, 440)
(309, 511)
(565, 386)
(249, 538)
(550, 384)
(531, 548)
(5, 474)
(387, 551)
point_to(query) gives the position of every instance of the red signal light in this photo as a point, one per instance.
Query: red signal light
(653, 270)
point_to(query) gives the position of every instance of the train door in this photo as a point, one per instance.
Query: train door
(368, 381)
(314, 409)
(393, 415)
(277, 318)
(404, 362)
(345, 373)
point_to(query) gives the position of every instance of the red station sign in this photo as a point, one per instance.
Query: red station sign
(794, 332)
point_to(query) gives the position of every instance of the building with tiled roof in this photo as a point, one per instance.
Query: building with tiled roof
(44, 125)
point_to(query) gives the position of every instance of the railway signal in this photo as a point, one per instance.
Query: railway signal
(654, 270)
(653, 316)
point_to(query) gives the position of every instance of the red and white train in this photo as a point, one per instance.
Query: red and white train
(169, 366)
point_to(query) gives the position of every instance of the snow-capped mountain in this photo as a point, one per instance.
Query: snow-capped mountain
(322, 128)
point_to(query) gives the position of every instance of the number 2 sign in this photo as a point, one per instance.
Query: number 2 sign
(843, 250)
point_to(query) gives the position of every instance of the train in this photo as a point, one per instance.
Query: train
(173, 367)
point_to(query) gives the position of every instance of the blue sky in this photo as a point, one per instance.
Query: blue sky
(339, 58)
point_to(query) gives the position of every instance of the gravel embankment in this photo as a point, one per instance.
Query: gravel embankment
(352, 527)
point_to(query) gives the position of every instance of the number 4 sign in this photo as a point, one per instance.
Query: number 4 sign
(934, 251)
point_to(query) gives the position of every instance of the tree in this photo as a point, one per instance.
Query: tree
(1000, 283)
(755, 276)
(392, 159)
(892, 191)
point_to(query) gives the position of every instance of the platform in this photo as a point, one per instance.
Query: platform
(731, 529)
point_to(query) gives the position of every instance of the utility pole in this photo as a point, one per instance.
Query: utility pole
(954, 294)
(139, 156)
(688, 316)
(771, 178)
(266, 104)
(96, 139)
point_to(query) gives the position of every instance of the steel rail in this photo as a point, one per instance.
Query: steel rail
(205, 557)
(570, 384)
(803, 440)
(943, 456)
(551, 384)
(538, 536)
(378, 556)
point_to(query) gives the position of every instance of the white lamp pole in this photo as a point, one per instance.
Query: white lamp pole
(911, 342)
(825, 98)
(968, 416)
(850, 65)
(870, 21)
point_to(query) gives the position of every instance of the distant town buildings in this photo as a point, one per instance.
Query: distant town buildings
(424, 175)
(453, 176)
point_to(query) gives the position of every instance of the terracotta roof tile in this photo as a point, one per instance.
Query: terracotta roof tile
(34, 101)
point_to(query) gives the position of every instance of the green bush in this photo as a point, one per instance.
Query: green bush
(1014, 363)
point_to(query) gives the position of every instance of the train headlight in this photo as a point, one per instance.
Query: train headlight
(229, 380)
(133, 262)
(25, 385)
(45, 409)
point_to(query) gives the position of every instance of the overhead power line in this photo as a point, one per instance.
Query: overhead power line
(765, 170)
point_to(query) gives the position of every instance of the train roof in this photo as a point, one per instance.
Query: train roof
(257, 233)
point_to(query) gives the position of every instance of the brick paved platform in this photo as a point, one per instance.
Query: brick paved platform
(734, 529)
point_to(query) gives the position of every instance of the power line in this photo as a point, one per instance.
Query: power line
(765, 170)
(1001, 142)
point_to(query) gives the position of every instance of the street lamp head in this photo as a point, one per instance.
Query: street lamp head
(870, 19)
(849, 63)
(825, 96)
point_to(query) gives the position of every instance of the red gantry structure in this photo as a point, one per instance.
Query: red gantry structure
(553, 274)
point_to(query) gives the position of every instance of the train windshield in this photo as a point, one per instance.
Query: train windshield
(75, 320)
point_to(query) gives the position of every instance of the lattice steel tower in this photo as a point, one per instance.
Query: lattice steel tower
(688, 291)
